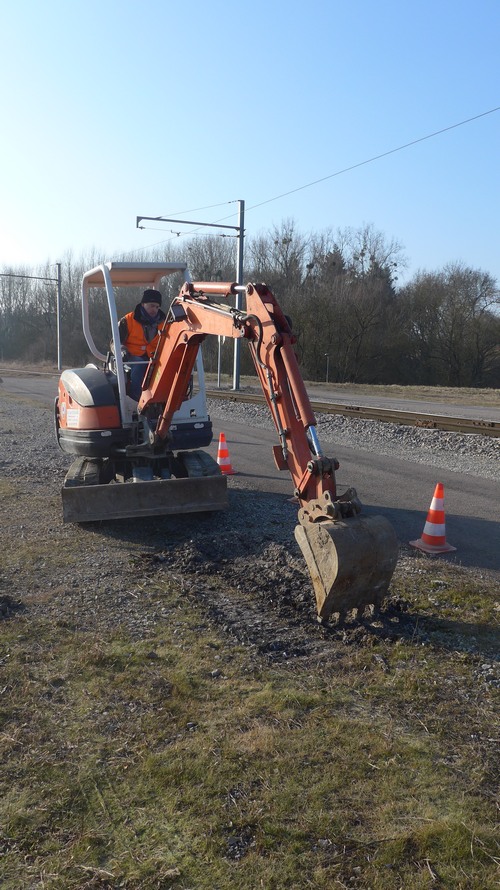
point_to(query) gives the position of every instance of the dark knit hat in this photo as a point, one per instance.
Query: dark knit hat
(151, 296)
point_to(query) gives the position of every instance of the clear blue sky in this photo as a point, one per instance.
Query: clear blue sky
(113, 109)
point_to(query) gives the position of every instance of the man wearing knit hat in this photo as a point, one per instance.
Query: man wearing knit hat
(139, 337)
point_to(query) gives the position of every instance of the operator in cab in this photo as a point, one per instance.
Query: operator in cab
(139, 337)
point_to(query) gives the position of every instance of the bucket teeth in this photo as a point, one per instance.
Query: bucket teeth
(351, 562)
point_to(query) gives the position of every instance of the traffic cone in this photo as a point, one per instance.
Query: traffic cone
(223, 458)
(433, 538)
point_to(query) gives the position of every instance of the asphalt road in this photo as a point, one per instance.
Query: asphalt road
(398, 489)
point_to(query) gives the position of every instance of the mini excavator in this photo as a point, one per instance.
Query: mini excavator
(147, 458)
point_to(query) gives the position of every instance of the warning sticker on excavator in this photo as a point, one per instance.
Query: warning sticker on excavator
(73, 417)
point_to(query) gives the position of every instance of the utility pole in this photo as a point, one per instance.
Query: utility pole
(240, 229)
(239, 277)
(58, 318)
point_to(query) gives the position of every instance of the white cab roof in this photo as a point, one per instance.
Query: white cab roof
(132, 274)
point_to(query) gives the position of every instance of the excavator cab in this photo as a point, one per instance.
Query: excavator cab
(98, 423)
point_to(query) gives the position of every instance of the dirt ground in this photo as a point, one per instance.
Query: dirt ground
(240, 569)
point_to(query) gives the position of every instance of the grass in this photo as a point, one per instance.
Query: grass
(183, 761)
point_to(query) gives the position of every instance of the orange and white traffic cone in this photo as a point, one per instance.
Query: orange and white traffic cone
(433, 539)
(223, 458)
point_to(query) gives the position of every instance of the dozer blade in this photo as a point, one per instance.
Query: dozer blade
(350, 561)
(125, 500)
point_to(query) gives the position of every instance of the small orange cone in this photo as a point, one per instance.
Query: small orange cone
(223, 458)
(433, 538)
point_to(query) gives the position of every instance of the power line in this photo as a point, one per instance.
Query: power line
(300, 188)
(384, 154)
(196, 209)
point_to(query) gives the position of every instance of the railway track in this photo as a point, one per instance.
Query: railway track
(383, 415)
(363, 412)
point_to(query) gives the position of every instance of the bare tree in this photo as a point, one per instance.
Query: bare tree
(339, 287)
(453, 327)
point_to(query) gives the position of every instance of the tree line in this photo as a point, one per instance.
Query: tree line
(354, 322)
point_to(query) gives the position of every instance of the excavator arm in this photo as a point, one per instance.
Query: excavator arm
(191, 319)
(351, 558)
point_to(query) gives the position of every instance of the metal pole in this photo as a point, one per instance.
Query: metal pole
(238, 300)
(219, 338)
(327, 364)
(240, 228)
(58, 316)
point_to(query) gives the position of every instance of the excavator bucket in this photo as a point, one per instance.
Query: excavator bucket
(89, 503)
(350, 561)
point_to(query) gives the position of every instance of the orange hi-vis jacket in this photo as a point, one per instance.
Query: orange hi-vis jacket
(134, 334)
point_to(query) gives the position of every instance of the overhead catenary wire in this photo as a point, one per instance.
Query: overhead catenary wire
(378, 157)
(314, 182)
(196, 209)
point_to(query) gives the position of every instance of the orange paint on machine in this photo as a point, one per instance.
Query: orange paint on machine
(73, 415)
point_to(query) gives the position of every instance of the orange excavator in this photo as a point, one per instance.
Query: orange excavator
(350, 557)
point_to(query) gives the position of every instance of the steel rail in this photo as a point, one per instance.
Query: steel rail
(383, 415)
(363, 412)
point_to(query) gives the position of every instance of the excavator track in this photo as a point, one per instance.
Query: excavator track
(85, 499)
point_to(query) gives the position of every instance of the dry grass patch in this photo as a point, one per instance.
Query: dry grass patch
(183, 761)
